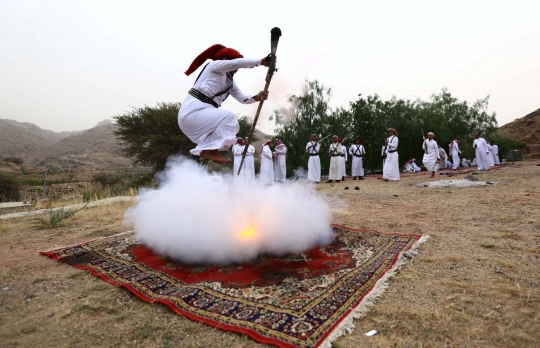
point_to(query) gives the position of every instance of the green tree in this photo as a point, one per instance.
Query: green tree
(9, 188)
(150, 135)
(369, 117)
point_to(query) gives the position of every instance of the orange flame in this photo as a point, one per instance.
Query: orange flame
(247, 234)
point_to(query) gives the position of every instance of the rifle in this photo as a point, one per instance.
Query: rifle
(274, 39)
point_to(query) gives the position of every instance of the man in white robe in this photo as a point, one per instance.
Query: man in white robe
(431, 154)
(280, 167)
(481, 152)
(495, 153)
(336, 163)
(200, 118)
(343, 159)
(490, 159)
(455, 152)
(443, 158)
(414, 166)
(391, 165)
(314, 163)
(357, 152)
(249, 164)
(266, 174)
(237, 150)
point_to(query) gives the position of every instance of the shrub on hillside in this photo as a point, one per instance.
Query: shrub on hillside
(9, 188)
(106, 179)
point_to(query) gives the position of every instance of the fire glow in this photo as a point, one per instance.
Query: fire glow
(248, 234)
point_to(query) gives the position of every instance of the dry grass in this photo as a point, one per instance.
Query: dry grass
(475, 283)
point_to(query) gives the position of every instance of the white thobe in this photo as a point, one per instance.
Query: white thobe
(464, 162)
(249, 165)
(391, 165)
(357, 165)
(314, 162)
(407, 168)
(280, 167)
(481, 153)
(336, 163)
(237, 154)
(495, 154)
(209, 127)
(443, 156)
(454, 151)
(267, 167)
(344, 161)
(473, 163)
(490, 159)
(415, 167)
(431, 155)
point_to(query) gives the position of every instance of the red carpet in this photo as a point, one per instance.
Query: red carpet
(295, 300)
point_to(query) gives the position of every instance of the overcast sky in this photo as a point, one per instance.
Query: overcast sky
(66, 65)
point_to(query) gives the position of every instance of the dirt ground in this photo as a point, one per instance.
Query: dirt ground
(475, 283)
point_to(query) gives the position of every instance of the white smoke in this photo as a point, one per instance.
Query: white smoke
(198, 217)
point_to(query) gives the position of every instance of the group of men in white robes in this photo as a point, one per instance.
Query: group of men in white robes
(273, 163)
(247, 174)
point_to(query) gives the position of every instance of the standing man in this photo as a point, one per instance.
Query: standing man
(336, 163)
(200, 118)
(481, 151)
(267, 164)
(343, 159)
(280, 168)
(237, 150)
(495, 153)
(357, 165)
(443, 157)
(491, 160)
(455, 152)
(249, 164)
(314, 163)
(431, 154)
(391, 165)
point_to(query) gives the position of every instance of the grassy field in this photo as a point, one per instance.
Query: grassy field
(475, 283)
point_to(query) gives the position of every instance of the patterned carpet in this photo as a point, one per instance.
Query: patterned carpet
(296, 300)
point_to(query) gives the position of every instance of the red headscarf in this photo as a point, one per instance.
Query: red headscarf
(265, 143)
(215, 52)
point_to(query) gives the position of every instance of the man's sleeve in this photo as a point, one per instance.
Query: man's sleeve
(233, 64)
(240, 96)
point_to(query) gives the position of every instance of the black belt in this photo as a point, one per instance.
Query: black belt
(202, 97)
(355, 155)
(335, 155)
(342, 155)
(314, 154)
(392, 151)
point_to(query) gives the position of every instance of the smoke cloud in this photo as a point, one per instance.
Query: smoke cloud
(200, 217)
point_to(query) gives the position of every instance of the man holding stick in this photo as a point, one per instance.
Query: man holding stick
(314, 164)
(199, 117)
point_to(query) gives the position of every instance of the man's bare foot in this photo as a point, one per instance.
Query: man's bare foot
(214, 156)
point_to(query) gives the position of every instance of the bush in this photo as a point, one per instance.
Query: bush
(56, 216)
(9, 189)
(106, 179)
(15, 160)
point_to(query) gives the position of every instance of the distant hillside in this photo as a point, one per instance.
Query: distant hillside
(95, 148)
(525, 129)
(21, 139)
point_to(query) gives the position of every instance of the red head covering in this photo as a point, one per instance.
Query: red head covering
(265, 143)
(340, 140)
(215, 52)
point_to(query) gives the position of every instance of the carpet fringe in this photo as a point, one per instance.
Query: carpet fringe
(347, 325)
(57, 247)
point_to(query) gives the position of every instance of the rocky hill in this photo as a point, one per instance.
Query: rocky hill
(525, 129)
(95, 148)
